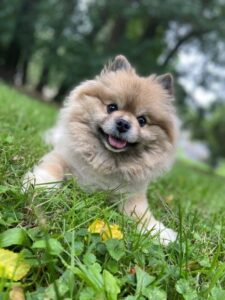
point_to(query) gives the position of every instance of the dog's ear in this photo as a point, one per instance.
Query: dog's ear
(119, 63)
(166, 82)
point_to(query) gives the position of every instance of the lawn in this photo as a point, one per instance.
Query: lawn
(66, 261)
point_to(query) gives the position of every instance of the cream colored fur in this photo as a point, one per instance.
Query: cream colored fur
(79, 148)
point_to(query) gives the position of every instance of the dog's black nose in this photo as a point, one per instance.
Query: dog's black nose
(122, 125)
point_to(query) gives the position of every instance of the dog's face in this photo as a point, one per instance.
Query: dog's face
(124, 117)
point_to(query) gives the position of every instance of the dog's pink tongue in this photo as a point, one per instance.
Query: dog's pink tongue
(116, 143)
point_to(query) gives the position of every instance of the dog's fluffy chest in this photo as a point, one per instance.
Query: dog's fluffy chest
(90, 179)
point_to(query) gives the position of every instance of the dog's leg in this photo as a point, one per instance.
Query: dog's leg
(137, 207)
(48, 173)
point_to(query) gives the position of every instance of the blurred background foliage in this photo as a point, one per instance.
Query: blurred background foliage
(56, 44)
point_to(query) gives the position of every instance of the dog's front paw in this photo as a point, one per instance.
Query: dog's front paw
(167, 236)
(164, 234)
(28, 180)
(39, 178)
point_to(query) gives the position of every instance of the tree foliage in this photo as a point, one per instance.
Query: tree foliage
(60, 43)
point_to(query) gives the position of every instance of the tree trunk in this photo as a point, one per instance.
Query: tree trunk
(43, 79)
(20, 41)
(117, 32)
(24, 70)
(63, 90)
(12, 58)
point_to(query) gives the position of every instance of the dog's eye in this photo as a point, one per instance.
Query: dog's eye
(142, 121)
(111, 108)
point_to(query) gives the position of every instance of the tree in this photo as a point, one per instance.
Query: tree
(20, 36)
(73, 39)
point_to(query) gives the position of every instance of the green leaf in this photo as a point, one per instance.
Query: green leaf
(9, 139)
(205, 262)
(154, 293)
(78, 248)
(91, 275)
(34, 233)
(183, 288)
(49, 293)
(110, 284)
(115, 248)
(30, 257)
(217, 294)
(14, 236)
(53, 246)
(143, 280)
(89, 258)
(87, 294)
(4, 189)
(112, 266)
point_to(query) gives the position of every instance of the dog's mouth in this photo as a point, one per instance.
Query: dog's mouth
(116, 142)
(113, 142)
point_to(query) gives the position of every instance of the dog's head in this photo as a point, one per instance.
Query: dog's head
(123, 118)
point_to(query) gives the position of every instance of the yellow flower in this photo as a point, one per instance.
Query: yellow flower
(12, 266)
(106, 231)
(113, 232)
(97, 226)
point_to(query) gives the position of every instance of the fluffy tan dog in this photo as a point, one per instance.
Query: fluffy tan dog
(117, 132)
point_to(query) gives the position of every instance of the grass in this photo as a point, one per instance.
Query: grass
(67, 262)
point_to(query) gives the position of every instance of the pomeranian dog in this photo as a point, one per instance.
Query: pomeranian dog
(116, 132)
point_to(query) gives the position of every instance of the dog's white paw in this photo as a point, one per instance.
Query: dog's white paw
(165, 235)
(39, 178)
